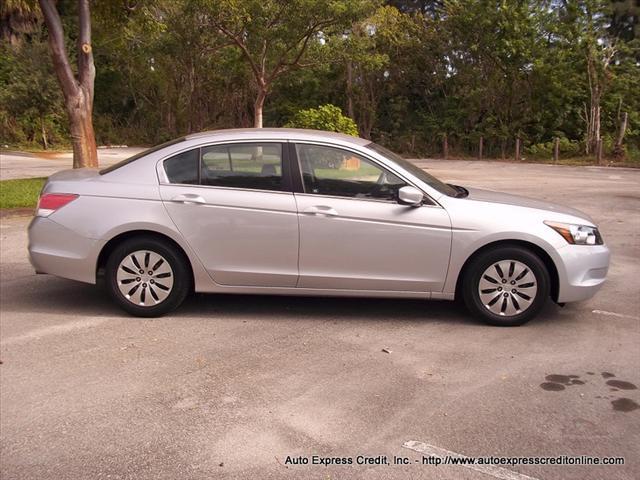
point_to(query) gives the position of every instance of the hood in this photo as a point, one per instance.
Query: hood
(517, 200)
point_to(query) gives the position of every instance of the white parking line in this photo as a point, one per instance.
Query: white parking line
(52, 330)
(613, 314)
(497, 472)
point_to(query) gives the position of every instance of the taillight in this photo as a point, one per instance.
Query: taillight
(50, 202)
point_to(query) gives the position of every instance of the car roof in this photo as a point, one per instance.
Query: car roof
(277, 134)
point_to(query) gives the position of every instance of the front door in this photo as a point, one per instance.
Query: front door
(355, 235)
(234, 207)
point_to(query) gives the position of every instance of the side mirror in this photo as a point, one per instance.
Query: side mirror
(409, 195)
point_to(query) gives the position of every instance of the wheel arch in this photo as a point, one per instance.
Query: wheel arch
(536, 249)
(109, 247)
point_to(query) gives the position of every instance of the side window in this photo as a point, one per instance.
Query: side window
(332, 171)
(183, 168)
(250, 165)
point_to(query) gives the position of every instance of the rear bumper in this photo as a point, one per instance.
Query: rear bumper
(585, 270)
(62, 252)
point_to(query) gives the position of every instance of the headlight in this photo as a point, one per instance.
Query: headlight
(577, 234)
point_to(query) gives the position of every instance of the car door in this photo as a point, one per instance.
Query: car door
(234, 206)
(355, 235)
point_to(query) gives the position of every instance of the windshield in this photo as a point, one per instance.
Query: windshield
(139, 155)
(415, 170)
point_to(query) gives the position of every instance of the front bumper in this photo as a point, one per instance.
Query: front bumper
(583, 271)
(62, 252)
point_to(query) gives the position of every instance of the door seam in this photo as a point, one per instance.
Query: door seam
(299, 239)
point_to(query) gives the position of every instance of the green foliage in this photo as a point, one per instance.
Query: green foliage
(566, 148)
(20, 193)
(275, 37)
(326, 117)
(407, 72)
(31, 105)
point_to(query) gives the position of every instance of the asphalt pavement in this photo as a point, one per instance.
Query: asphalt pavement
(42, 164)
(230, 386)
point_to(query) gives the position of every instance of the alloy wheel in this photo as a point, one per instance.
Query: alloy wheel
(507, 288)
(145, 278)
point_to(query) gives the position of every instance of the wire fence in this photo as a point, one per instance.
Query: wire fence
(487, 147)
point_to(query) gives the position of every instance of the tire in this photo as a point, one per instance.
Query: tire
(506, 286)
(140, 290)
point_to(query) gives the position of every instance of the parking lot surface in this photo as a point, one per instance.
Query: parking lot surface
(230, 386)
(28, 165)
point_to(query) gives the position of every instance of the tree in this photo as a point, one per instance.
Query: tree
(169, 70)
(32, 111)
(373, 47)
(587, 24)
(77, 89)
(602, 34)
(275, 36)
(409, 76)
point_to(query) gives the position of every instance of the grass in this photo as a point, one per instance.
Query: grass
(22, 192)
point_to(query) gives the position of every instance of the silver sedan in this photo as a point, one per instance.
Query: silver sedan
(301, 212)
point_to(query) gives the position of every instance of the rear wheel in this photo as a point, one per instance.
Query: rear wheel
(147, 277)
(506, 286)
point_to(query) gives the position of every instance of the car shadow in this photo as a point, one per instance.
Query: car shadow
(322, 308)
(57, 296)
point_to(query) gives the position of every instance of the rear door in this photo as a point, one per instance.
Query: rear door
(355, 235)
(233, 204)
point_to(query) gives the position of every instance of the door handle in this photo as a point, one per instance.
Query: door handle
(321, 210)
(188, 198)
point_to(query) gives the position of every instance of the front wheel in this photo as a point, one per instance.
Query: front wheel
(506, 286)
(147, 277)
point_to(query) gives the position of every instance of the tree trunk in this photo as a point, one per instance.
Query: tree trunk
(77, 90)
(257, 108)
(350, 110)
(623, 129)
(45, 142)
(598, 62)
(445, 147)
(85, 153)
(599, 151)
(367, 127)
(618, 149)
(593, 127)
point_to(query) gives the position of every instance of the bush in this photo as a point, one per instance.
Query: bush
(567, 148)
(326, 117)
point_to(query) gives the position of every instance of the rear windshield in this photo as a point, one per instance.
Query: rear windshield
(140, 155)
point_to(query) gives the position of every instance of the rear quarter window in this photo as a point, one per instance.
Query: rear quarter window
(183, 167)
(127, 161)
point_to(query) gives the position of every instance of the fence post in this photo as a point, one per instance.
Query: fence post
(556, 149)
(599, 150)
(445, 147)
(517, 149)
(480, 147)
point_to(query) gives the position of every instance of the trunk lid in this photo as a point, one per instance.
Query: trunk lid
(74, 174)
